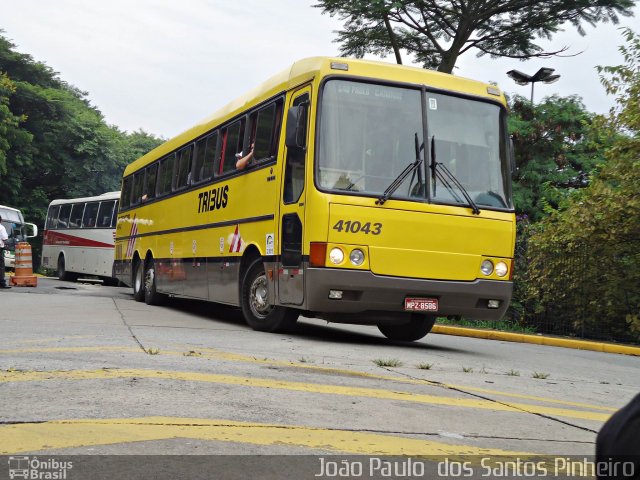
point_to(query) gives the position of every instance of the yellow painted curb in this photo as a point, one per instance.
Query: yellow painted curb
(537, 339)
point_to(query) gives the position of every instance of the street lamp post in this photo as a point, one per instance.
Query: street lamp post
(543, 75)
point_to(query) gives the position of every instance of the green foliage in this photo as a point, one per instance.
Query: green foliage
(502, 325)
(603, 220)
(9, 123)
(436, 33)
(557, 145)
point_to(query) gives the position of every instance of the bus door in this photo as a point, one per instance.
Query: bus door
(291, 270)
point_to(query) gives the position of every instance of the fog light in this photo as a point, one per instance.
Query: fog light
(357, 257)
(335, 294)
(501, 269)
(487, 267)
(336, 256)
(493, 304)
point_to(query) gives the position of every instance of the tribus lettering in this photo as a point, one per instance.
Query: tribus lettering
(214, 199)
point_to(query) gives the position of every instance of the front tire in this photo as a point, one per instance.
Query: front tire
(138, 281)
(418, 327)
(151, 295)
(257, 311)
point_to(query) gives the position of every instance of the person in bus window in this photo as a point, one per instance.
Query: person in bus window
(3, 238)
(243, 161)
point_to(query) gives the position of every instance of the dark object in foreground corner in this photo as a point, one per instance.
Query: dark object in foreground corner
(619, 438)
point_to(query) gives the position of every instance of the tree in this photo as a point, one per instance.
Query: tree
(10, 132)
(53, 142)
(600, 224)
(437, 32)
(557, 145)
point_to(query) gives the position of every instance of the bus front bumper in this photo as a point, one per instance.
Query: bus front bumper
(366, 293)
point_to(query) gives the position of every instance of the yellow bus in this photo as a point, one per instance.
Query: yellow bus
(375, 194)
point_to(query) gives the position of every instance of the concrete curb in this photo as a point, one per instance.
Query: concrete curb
(537, 339)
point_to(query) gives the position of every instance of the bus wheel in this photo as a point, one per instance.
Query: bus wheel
(138, 281)
(257, 311)
(418, 327)
(151, 295)
(62, 271)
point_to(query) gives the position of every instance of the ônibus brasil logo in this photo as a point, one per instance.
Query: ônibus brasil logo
(35, 469)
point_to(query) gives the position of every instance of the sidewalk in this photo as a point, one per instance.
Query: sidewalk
(538, 339)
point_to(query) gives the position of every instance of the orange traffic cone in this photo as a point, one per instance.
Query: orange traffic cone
(24, 276)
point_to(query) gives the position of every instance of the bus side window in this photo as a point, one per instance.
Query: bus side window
(52, 217)
(183, 168)
(105, 214)
(205, 157)
(150, 183)
(63, 219)
(75, 220)
(233, 145)
(138, 184)
(294, 169)
(165, 175)
(267, 124)
(125, 196)
(90, 215)
(114, 220)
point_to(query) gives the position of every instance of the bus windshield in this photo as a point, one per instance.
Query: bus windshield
(12, 222)
(368, 136)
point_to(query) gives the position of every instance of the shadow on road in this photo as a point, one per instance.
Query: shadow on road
(303, 329)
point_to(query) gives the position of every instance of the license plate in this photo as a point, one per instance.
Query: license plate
(421, 304)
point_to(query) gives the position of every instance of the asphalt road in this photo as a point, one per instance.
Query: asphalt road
(85, 369)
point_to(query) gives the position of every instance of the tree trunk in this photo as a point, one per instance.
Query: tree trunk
(447, 63)
(393, 39)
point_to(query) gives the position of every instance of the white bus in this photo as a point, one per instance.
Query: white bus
(17, 230)
(79, 237)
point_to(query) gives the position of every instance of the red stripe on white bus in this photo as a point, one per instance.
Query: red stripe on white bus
(65, 239)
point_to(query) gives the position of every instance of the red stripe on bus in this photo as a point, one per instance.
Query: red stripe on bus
(64, 239)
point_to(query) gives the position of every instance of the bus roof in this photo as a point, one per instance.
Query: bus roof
(10, 214)
(307, 69)
(97, 198)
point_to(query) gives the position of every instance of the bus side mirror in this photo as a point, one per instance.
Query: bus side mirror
(296, 127)
(32, 230)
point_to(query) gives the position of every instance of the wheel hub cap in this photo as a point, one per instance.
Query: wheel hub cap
(258, 297)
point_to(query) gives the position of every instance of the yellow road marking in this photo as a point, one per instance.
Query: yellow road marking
(19, 376)
(78, 433)
(228, 356)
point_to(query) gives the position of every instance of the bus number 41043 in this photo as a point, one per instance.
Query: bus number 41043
(349, 226)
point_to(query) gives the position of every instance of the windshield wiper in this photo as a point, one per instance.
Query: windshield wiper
(446, 176)
(400, 178)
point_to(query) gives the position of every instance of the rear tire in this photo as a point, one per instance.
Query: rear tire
(418, 327)
(151, 295)
(138, 281)
(257, 312)
(62, 271)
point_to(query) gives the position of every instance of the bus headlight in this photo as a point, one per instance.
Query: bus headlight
(336, 256)
(501, 269)
(356, 256)
(487, 267)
